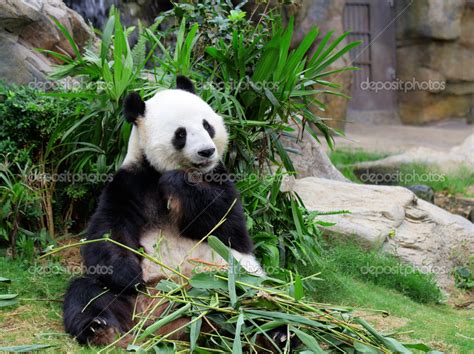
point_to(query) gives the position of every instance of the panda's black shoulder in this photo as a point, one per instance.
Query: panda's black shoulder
(123, 202)
(132, 182)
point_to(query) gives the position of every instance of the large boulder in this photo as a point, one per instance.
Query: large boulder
(27, 25)
(461, 156)
(308, 156)
(392, 219)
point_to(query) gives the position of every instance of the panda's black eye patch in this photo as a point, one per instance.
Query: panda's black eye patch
(209, 128)
(179, 139)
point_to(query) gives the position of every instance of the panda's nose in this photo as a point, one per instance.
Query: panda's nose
(206, 152)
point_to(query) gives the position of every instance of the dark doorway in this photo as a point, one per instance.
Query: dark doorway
(372, 22)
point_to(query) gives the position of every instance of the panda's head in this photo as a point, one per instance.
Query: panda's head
(175, 129)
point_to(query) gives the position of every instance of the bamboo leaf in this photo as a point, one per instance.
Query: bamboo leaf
(26, 348)
(165, 320)
(309, 341)
(195, 330)
(237, 346)
(68, 36)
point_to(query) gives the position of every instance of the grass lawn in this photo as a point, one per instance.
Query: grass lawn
(37, 317)
(457, 182)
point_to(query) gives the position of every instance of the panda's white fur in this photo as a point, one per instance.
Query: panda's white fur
(166, 111)
(185, 255)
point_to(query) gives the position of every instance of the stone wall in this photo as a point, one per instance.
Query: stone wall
(435, 44)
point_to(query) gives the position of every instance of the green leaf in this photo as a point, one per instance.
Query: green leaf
(217, 245)
(363, 348)
(5, 280)
(166, 286)
(310, 342)
(418, 346)
(26, 348)
(195, 330)
(68, 36)
(207, 281)
(298, 290)
(164, 321)
(390, 343)
(237, 346)
(290, 318)
(231, 280)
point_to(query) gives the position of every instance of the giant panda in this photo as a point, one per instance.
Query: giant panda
(154, 205)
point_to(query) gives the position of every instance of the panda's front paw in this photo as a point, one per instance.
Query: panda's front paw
(97, 324)
(281, 338)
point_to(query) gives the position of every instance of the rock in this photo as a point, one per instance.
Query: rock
(422, 107)
(460, 88)
(455, 204)
(392, 219)
(26, 25)
(18, 63)
(467, 26)
(437, 19)
(461, 156)
(423, 192)
(309, 158)
(453, 60)
(435, 44)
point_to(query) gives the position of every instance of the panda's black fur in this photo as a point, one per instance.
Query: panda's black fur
(101, 302)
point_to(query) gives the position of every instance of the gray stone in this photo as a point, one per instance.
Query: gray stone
(392, 219)
(308, 157)
(435, 42)
(27, 25)
(461, 156)
(437, 19)
(423, 192)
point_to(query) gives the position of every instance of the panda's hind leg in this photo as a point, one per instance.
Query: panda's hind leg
(95, 315)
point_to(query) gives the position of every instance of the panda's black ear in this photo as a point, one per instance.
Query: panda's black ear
(133, 107)
(183, 83)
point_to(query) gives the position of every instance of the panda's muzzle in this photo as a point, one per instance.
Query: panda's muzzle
(207, 152)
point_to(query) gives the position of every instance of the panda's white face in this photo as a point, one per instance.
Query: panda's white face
(178, 130)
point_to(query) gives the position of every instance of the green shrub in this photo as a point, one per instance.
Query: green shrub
(34, 154)
(28, 121)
